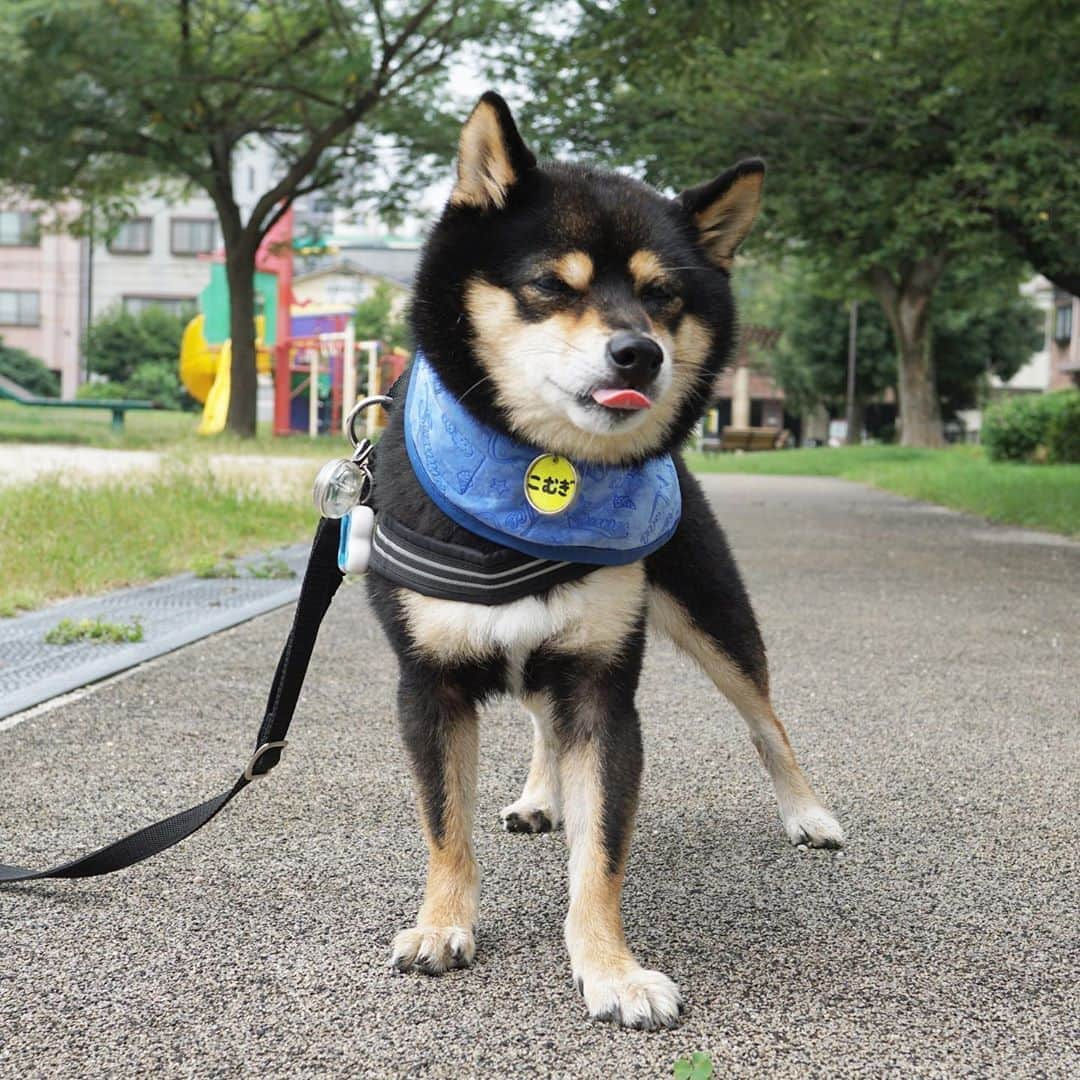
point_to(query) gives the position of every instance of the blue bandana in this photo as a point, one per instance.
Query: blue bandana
(478, 476)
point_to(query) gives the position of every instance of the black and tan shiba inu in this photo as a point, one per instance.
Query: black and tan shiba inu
(585, 315)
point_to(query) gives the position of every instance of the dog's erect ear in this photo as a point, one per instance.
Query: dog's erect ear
(492, 156)
(724, 209)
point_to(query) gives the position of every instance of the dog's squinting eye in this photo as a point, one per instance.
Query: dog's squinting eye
(658, 295)
(552, 285)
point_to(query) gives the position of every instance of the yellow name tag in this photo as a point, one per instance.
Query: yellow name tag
(551, 484)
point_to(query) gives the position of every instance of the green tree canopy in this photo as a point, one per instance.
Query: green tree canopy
(980, 328)
(376, 319)
(902, 137)
(98, 97)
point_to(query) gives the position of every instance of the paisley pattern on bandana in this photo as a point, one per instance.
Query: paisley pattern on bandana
(476, 476)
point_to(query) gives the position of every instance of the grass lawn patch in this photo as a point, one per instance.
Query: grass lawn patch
(1038, 496)
(68, 540)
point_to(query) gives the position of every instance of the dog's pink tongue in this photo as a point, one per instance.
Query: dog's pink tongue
(613, 398)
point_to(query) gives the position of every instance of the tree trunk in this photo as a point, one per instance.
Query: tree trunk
(243, 388)
(856, 422)
(907, 306)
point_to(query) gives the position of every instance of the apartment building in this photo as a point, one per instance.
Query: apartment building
(41, 292)
(159, 256)
(52, 284)
(1056, 365)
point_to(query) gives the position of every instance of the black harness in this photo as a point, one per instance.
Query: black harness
(454, 572)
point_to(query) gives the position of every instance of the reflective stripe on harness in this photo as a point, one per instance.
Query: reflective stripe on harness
(453, 572)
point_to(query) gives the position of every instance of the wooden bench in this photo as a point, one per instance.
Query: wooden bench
(748, 439)
(118, 407)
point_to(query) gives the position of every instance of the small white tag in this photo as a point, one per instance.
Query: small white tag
(356, 549)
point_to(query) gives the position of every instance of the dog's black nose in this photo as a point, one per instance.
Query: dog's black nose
(635, 357)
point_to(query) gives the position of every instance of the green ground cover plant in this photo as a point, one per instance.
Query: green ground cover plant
(698, 1066)
(77, 540)
(963, 478)
(71, 631)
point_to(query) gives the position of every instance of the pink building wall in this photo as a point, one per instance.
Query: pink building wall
(53, 269)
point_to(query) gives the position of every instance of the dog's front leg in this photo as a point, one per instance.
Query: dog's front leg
(600, 766)
(439, 724)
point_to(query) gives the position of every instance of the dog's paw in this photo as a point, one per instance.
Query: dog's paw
(635, 998)
(530, 816)
(433, 949)
(815, 827)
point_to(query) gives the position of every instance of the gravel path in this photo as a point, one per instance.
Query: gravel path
(21, 463)
(927, 667)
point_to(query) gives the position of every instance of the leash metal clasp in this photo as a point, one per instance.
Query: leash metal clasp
(250, 773)
(346, 483)
(354, 415)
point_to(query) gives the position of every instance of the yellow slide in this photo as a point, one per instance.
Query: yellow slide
(216, 407)
(205, 371)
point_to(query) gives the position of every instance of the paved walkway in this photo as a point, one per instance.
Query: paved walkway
(927, 666)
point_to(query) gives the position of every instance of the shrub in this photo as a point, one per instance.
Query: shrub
(1063, 431)
(156, 381)
(103, 390)
(118, 342)
(28, 371)
(1019, 429)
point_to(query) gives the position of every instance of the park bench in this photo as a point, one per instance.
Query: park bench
(118, 407)
(753, 438)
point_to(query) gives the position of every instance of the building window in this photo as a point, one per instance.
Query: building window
(193, 236)
(174, 305)
(132, 238)
(19, 228)
(1063, 323)
(20, 307)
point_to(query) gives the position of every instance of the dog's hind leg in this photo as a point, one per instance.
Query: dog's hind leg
(439, 724)
(539, 809)
(697, 598)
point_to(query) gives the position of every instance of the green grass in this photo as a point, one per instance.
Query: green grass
(68, 632)
(173, 432)
(1037, 496)
(69, 540)
(271, 569)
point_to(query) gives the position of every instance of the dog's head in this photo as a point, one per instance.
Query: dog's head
(580, 310)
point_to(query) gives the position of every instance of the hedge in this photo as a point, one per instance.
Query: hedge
(1034, 427)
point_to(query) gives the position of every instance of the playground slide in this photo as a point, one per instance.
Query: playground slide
(198, 360)
(216, 405)
(205, 371)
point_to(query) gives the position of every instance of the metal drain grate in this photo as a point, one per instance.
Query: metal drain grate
(173, 612)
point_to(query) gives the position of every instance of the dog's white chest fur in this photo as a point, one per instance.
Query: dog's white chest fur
(593, 615)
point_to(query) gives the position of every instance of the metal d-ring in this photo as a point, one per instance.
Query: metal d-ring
(250, 773)
(357, 409)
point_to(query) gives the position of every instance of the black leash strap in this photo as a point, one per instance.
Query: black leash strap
(321, 581)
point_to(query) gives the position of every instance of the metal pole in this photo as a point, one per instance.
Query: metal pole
(853, 327)
(84, 373)
(313, 391)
